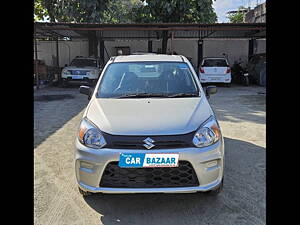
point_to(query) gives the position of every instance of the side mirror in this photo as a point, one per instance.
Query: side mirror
(66, 65)
(210, 90)
(86, 91)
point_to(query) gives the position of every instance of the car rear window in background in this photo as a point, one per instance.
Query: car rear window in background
(214, 63)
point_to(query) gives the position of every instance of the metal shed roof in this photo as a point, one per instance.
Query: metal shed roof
(151, 31)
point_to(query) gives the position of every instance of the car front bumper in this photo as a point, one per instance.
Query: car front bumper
(208, 163)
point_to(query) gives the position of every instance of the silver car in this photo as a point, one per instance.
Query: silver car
(148, 128)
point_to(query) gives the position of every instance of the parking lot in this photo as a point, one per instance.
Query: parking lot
(241, 114)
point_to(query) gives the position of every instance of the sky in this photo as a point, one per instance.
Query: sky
(223, 6)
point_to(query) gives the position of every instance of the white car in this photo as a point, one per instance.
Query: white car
(149, 128)
(215, 70)
(81, 70)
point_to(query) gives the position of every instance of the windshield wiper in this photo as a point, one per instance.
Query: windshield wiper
(141, 95)
(184, 95)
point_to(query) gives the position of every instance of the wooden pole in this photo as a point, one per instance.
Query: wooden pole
(36, 62)
(172, 47)
(57, 59)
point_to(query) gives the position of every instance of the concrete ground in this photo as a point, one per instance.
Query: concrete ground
(241, 114)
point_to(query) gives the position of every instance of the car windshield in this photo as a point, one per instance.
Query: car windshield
(214, 63)
(84, 62)
(147, 79)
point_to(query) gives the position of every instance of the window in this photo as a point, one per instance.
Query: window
(215, 63)
(84, 62)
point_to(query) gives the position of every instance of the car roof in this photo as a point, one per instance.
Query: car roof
(149, 57)
(143, 53)
(214, 58)
(82, 57)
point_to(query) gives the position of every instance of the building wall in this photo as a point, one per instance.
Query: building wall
(188, 48)
(134, 45)
(260, 46)
(235, 49)
(47, 50)
(185, 47)
(256, 15)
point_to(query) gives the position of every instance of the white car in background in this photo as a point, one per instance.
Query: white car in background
(82, 70)
(215, 70)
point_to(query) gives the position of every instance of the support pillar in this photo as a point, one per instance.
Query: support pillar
(149, 46)
(200, 52)
(251, 48)
(36, 62)
(101, 43)
(57, 59)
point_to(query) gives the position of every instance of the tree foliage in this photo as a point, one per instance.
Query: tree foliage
(181, 11)
(86, 11)
(174, 11)
(237, 17)
(127, 11)
(120, 11)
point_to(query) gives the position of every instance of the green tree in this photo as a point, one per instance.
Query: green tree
(174, 11)
(237, 17)
(70, 10)
(87, 11)
(126, 11)
(44, 10)
(120, 11)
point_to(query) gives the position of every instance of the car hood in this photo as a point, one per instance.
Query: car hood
(81, 68)
(148, 116)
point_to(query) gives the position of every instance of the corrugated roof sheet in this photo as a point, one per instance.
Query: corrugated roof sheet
(152, 31)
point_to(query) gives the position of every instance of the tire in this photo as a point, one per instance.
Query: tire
(84, 193)
(216, 191)
(64, 83)
(247, 81)
(228, 85)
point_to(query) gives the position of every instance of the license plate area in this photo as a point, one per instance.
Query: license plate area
(145, 160)
(215, 78)
(77, 77)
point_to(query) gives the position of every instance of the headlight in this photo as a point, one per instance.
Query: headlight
(89, 135)
(91, 72)
(66, 72)
(208, 133)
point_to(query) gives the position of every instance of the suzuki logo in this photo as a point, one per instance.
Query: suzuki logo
(148, 143)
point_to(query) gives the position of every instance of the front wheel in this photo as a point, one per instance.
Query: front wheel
(247, 81)
(228, 85)
(84, 193)
(216, 191)
(92, 83)
(64, 83)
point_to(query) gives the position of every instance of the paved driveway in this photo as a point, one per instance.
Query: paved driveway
(241, 113)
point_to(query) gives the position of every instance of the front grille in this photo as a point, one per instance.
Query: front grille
(160, 141)
(158, 145)
(79, 72)
(158, 177)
